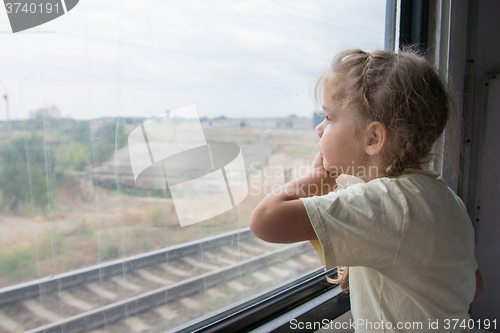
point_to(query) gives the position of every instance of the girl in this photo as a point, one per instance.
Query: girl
(404, 234)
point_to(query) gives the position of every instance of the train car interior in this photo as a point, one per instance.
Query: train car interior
(138, 137)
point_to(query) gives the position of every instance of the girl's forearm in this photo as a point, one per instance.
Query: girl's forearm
(281, 217)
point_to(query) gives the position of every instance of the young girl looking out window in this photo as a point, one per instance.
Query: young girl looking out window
(403, 237)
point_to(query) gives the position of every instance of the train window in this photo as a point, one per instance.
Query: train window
(136, 139)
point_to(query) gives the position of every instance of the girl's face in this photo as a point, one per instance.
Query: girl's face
(341, 140)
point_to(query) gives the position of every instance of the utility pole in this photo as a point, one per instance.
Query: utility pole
(9, 128)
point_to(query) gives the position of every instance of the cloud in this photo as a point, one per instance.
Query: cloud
(140, 58)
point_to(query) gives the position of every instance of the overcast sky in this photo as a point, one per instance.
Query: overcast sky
(140, 58)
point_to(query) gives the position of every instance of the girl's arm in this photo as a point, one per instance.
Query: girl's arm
(281, 217)
(479, 286)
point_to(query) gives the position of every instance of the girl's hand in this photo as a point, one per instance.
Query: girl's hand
(319, 170)
(281, 217)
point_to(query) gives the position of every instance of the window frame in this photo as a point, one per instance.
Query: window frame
(311, 298)
(308, 298)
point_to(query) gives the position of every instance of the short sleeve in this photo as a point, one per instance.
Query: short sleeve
(359, 226)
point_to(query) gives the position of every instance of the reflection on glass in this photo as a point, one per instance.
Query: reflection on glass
(80, 231)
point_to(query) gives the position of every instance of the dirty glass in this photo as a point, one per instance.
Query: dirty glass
(136, 138)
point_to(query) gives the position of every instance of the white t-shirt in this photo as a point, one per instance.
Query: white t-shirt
(409, 244)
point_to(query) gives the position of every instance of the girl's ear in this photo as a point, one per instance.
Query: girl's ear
(376, 138)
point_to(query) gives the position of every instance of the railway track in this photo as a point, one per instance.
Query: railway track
(155, 291)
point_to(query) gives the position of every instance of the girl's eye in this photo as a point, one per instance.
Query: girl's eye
(328, 118)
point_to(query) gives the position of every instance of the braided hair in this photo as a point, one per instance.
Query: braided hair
(401, 90)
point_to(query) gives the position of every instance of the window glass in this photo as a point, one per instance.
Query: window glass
(137, 137)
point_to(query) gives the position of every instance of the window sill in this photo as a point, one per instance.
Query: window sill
(309, 298)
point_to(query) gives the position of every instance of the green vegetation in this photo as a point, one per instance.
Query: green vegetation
(157, 217)
(44, 119)
(26, 174)
(32, 165)
(146, 245)
(109, 251)
(16, 263)
(84, 230)
(72, 156)
(107, 138)
(94, 145)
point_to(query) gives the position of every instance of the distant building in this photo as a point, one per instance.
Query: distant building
(299, 122)
(267, 123)
(263, 122)
(317, 119)
(225, 122)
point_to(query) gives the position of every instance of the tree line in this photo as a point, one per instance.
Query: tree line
(46, 147)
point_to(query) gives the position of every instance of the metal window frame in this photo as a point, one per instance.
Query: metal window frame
(308, 298)
(390, 25)
(414, 24)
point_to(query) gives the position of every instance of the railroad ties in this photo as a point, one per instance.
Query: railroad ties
(155, 291)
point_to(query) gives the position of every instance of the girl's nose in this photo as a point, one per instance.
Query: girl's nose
(319, 129)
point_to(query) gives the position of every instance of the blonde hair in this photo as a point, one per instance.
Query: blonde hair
(401, 90)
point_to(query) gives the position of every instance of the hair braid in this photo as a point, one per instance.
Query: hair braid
(402, 159)
(365, 75)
